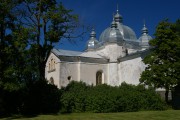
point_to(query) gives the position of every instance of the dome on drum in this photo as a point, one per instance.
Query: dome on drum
(111, 34)
(120, 34)
(92, 42)
(144, 39)
(126, 32)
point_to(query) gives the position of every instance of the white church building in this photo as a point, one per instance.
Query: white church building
(115, 58)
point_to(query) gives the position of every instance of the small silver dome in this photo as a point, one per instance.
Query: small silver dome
(92, 42)
(118, 18)
(144, 39)
(144, 30)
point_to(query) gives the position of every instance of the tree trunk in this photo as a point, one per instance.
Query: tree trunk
(166, 95)
(41, 64)
(42, 58)
(42, 70)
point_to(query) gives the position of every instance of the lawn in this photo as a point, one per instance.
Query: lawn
(143, 115)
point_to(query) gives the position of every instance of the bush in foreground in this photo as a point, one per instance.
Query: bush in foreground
(41, 97)
(78, 97)
(73, 97)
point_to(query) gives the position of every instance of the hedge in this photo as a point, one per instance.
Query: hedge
(79, 97)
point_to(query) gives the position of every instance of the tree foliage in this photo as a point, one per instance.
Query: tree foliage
(28, 31)
(47, 22)
(163, 62)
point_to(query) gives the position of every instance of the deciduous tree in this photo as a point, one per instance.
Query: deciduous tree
(163, 62)
(48, 22)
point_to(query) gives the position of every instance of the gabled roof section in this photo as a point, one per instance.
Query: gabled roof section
(141, 54)
(60, 52)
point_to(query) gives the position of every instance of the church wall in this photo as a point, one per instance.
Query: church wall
(88, 72)
(113, 74)
(53, 72)
(112, 52)
(130, 70)
(69, 71)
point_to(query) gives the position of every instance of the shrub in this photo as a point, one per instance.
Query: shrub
(78, 97)
(137, 98)
(73, 97)
(101, 98)
(41, 97)
(10, 101)
(152, 101)
(128, 98)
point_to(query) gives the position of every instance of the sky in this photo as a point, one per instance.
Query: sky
(98, 13)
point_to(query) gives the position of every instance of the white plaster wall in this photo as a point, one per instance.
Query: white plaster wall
(54, 74)
(88, 72)
(112, 52)
(130, 70)
(113, 74)
(68, 69)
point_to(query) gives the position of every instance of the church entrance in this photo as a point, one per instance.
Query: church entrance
(99, 77)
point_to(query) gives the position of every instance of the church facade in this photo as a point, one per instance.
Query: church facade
(115, 58)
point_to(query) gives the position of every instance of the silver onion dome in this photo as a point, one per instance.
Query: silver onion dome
(144, 30)
(144, 39)
(92, 42)
(126, 32)
(111, 34)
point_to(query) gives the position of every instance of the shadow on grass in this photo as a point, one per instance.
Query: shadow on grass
(16, 116)
(23, 116)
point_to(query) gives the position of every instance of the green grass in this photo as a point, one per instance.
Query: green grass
(143, 115)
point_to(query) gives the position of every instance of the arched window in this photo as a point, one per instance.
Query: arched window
(126, 51)
(99, 77)
(52, 65)
(49, 66)
(51, 81)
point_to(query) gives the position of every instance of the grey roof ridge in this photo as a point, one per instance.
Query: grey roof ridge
(78, 53)
(133, 55)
